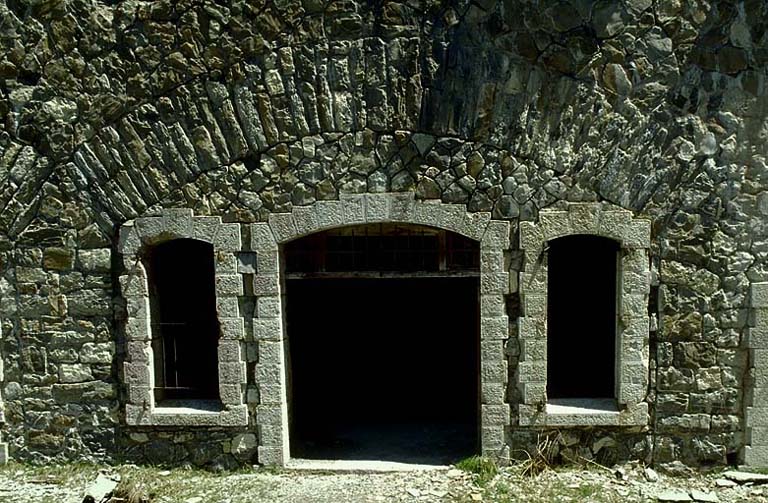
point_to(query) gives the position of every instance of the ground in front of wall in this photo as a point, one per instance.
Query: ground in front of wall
(630, 482)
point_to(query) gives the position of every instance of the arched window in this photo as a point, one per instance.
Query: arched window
(584, 351)
(582, 317)
(184, 326)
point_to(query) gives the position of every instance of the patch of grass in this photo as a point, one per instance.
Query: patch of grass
(134, 489)
(548, 488)
(588, 490)
(748, 469)
(483, 468)
(144, 484)
(500, 492)
(149, 484)
(65, 474)
(269, 470)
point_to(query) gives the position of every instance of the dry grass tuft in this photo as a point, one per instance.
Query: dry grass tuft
(542, 458)
(134, 488)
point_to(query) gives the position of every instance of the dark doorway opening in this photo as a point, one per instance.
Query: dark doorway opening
(384, 364)
(581, 317)
(184, 326)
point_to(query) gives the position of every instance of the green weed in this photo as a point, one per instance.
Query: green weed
(483, 468)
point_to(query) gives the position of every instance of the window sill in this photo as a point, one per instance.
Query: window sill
(581, 406)
(188, 407)
(584, 412)
(188, 413)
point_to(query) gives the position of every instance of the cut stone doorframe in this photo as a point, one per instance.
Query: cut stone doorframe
(755, 452)
(494, 238)
(3, 445)
(138, 373)
(632, 350)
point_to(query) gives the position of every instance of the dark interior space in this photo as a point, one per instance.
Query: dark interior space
(581, 317)
(388, 248)
(185, 329)
(384, 369)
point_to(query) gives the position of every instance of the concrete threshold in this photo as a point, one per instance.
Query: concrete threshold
(358, 466)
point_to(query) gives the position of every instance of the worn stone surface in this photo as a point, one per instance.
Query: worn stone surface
(743, 477)
(672, 495)
(112, 111)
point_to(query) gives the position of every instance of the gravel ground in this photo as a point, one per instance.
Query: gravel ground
(628, 483)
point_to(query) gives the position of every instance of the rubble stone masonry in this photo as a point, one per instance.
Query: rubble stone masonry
(249, 123)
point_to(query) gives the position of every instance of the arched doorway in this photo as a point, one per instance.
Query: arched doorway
(382, 324)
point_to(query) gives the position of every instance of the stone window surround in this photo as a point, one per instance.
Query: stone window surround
(3, 445)
(138, 375)
(632, 355)
(267, 239)
(755, 451)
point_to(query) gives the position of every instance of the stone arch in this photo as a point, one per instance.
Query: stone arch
(266, 238)
(633, 236)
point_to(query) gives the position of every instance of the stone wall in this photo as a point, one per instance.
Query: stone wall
(116, 110)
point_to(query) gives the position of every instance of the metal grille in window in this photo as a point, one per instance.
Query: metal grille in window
(363, 251)
(185, 329)
(308, 257)
(461, 253)
(382, 248)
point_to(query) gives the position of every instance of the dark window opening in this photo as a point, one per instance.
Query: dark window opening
(581, 317)
(383, 367)
(184, 326)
